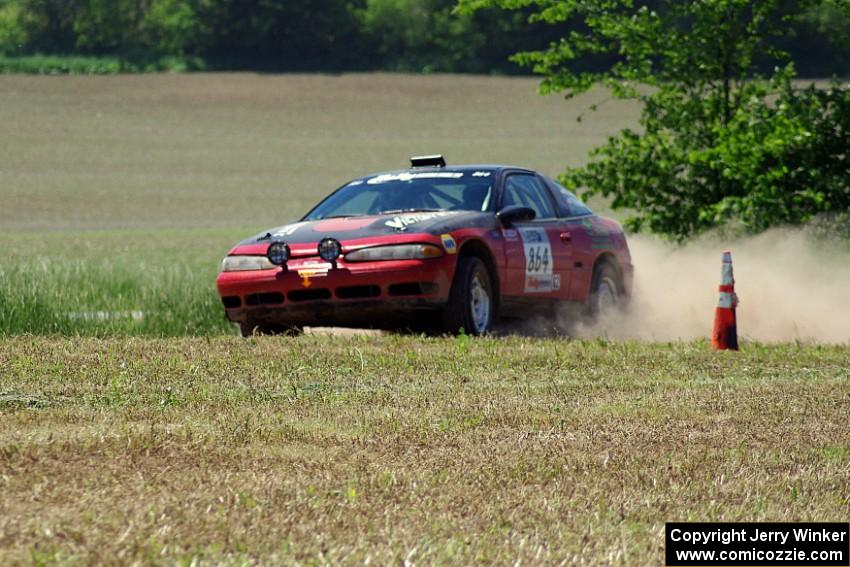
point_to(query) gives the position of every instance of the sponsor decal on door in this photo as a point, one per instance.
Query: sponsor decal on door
(538, 261)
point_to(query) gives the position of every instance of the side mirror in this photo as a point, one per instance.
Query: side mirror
(515, 213)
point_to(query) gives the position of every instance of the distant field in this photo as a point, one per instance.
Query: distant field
(279, 450)
(121, 194)
(247, 151)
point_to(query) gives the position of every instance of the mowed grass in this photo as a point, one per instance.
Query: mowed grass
(119, 195)
(385, 449)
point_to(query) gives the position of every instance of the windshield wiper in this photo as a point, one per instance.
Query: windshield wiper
(413, 210)
(341, 216)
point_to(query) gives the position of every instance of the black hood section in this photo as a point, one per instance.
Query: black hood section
(350, 228)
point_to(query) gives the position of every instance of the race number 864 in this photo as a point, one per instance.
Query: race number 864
(538, 259)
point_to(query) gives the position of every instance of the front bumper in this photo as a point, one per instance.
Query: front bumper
(311, 291)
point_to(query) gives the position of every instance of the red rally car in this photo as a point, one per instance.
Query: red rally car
(467, 243)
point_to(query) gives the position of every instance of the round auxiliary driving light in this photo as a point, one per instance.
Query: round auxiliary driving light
(329, 250)
(278, 253)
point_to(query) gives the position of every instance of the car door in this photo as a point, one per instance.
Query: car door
(584, 234)
(537, 262)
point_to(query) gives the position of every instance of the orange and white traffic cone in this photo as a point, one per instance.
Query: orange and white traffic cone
(725, 335)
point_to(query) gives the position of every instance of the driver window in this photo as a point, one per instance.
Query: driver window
(526, 191)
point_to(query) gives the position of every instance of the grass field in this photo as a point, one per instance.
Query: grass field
(279, 450)
(123, 440)
(121, 194)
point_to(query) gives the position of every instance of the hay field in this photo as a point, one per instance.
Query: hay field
(248, 151)
(121, 194)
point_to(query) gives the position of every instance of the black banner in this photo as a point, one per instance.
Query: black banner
(762, 544)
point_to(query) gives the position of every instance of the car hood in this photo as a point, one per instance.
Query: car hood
(349, 228)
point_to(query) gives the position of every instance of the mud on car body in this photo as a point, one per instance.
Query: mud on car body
(466, 243)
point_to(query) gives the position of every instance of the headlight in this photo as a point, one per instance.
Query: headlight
(245, 263)
(395, 252)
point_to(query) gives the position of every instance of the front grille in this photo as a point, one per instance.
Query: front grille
(271, 298)
(231, 302)
(309, 294)
(358, 291)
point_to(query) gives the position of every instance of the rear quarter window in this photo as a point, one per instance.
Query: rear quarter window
(568, 204)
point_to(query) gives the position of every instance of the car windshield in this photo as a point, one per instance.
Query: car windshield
(409, 192)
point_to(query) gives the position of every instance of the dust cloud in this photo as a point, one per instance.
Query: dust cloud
(791, 287)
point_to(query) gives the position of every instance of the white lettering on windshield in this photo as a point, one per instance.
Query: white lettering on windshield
(410, 176)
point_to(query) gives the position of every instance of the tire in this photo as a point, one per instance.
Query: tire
(472, 306)
(606, 292)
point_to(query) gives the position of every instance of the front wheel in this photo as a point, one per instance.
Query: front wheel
(472, 306)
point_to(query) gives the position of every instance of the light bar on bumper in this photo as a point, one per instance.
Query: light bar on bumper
(278, 253)
(394, 252)
(246, 264)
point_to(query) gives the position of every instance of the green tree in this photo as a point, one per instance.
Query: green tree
(430, 35)
(718, 142)
(46, 25)
(107, 26)
(282, 34)
(13, 37)
(823, 29)
(418, 35)
(173, 27)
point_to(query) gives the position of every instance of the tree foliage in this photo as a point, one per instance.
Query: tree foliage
(405, 35)
(408, 35)
(718, 141)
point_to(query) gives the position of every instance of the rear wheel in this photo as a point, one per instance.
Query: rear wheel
(472, 305)
(606, 295)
